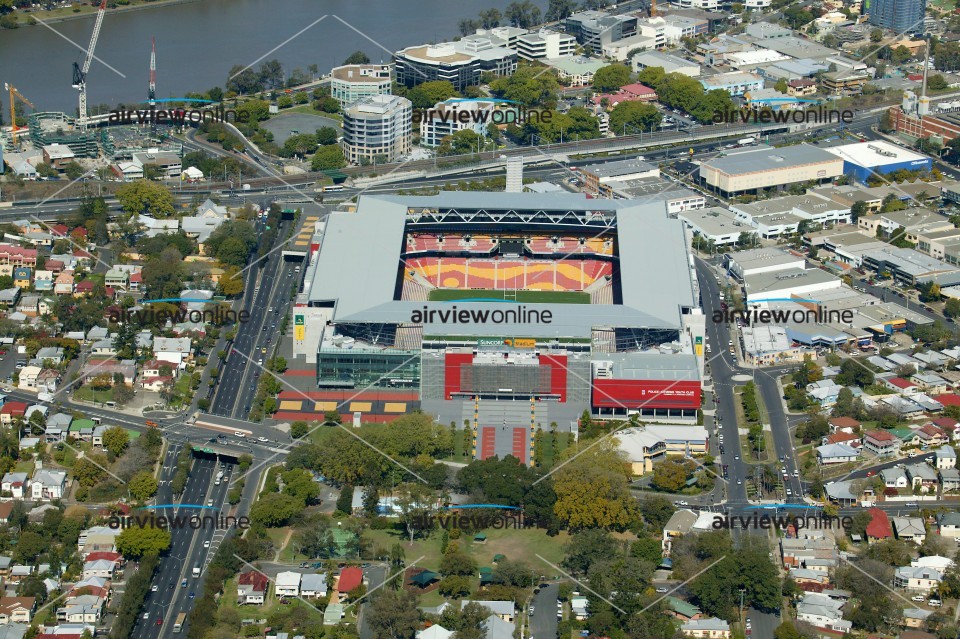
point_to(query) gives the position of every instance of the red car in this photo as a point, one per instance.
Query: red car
(160, 621)
(871, 473)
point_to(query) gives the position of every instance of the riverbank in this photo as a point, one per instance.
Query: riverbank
(67, 14)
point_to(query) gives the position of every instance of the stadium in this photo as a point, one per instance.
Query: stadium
(501, 312)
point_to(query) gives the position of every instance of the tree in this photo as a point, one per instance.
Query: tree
(73, 170)
(143, 486)
(275, 509)
(637, 116)
(357, 57)
(858, 210)
(345, 500)
(457, 563)
(116, 439)
(786, 630)
(427, 94)
(559, 10)
(326, 135)
(528, 85)
(611, 77)
(876, 35)
(588, 547)
(670, 475)
(592, 488)
(143, 197)
(328, 157)
(523, 14)
(648, 549)
(781, 85)
(135, 542)
(89, 470)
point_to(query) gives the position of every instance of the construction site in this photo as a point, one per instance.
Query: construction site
(56, 138)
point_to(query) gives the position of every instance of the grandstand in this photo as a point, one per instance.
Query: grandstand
(494, 307)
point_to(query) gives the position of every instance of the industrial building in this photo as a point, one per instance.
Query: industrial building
(788, 283)
(765, 167)
(597, 178)
(715, 224)
(878, 157)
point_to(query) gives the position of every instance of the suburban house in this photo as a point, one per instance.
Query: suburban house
(844, 425)
(881, 443)
(16, 609)
(252, 587)
(823, 612)
(47, 485)
(313, 585)
(13, 486)
(909, 529)
(946, 457)
(287, 584)
(879, 527)
(836, 454)
(708, 628)
(350, 578)
(917, 578)
(922, 477)
(894, 478)
(505, 610)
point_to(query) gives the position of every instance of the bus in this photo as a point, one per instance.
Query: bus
(178, 624)
(196, 570)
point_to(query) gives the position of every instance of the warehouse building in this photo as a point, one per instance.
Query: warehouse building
(714, 224)
(763, 260)
(765, 167)
(861, 161)
(793, 282)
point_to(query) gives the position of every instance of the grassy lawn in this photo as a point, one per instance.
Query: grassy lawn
(308, 109)
(461, 447)
(533, 297)
(521, 544)
(24, 467)
(552, 444)
(85, 393)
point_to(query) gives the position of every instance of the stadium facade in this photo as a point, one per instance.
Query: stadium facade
(505, 313)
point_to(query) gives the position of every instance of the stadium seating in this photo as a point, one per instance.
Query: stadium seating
(492, 274)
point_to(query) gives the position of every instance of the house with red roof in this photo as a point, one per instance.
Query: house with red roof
(879, 527)
(901, 385)
(851, 440)
(11, 411)
(635, 92)
(350, 577)
(931, 435)
(252, 587)
(881, 443)
(948, 399)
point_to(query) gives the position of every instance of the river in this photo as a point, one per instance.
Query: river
(198, 43)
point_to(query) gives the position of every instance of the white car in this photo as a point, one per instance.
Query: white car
(206, 544)
(936, 603)
(918, 598)
(262, 439)
(155, 588)
(796, 473)
(210, 503)
(238, 434)
(146, 615)
(662, 589)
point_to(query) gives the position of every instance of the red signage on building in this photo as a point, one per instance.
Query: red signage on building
(646, 393)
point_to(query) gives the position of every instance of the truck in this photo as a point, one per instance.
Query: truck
(246, 187)
(178, 624)
(747, 141)
(45, 396)
(196, 571)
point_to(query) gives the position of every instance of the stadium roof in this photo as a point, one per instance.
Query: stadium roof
(360, 257)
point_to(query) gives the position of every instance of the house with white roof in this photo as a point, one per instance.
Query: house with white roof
(894, 478)
(708, 628)
(287, 584)
(823, 612)
(48, 485)
(176, 350)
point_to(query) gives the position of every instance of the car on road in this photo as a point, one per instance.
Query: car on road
(238, 434)
(871, 473)
(262, 439)
(192, 595)
(160, 621)
(736, 457)
(662, 589)
(739, 482)
(209, 502)
(206, 544)
(682, 503)
(796, 473)
(146, 615)
(154, 588)
(183, 584)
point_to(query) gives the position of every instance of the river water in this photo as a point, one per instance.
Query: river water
(198, 43)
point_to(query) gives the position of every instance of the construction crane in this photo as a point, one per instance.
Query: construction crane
(152, 91)
(80, 73)
(13, 112)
